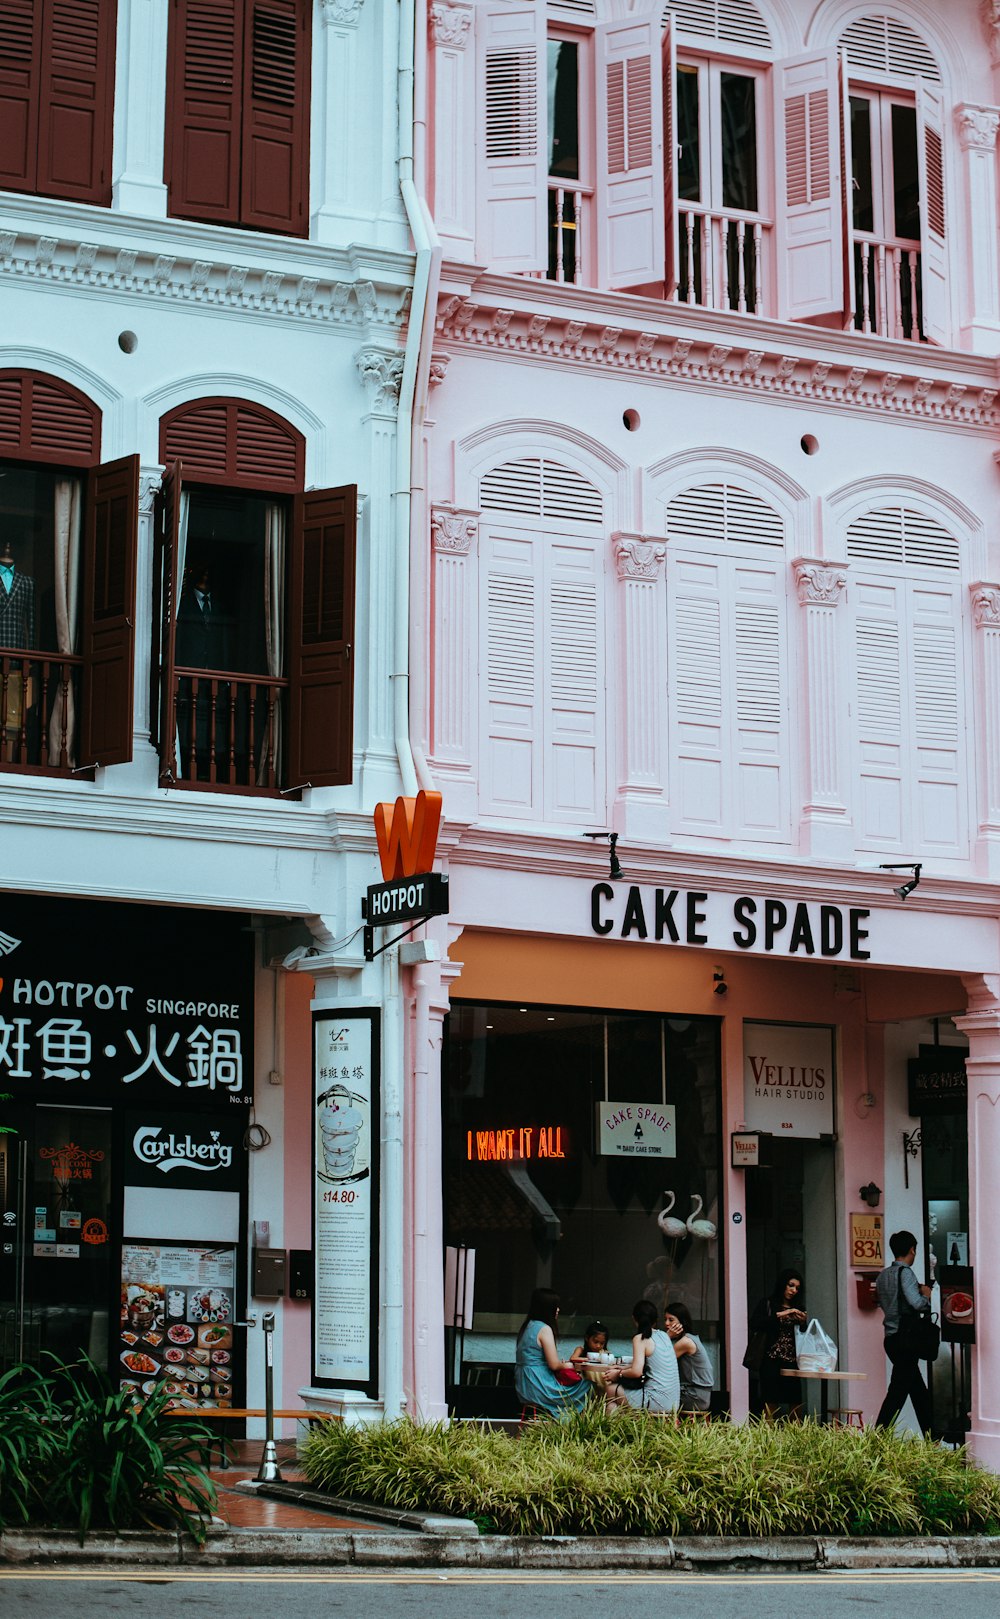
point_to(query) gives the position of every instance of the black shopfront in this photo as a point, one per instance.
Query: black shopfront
(126, 1088)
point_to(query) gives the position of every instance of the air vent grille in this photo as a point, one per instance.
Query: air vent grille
(899, 535)
(536, 487)
(733, 22)
(886, 45)
(723, 511)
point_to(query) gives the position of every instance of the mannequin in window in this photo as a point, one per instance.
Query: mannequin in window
(204, 640)
(17, 603)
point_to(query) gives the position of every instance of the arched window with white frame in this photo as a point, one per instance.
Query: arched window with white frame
(911, 763)
(542, 643)
(728, 687)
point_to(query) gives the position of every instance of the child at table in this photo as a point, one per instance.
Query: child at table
(595, 1342)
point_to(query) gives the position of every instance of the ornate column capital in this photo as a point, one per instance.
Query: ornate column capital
(453, 533)
(637, 557)
(819, 583)
(450, 23)
(149, 488)
(438, 366)
(990, 12)
(381, 371)
(977, 127)
(341, 13)
(985, 605)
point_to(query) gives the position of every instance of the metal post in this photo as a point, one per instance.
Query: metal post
(269, 1472)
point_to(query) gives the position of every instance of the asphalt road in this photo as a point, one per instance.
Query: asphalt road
(255, 1594)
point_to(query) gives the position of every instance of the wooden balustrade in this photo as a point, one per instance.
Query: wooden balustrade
(227, 730)
(721, 260)
(40, 711)
(887, 289)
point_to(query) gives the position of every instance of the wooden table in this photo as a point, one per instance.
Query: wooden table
(825, 1379)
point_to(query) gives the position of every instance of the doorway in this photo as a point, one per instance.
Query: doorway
(791, 1217)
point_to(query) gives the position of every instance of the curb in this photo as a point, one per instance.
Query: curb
(300, 1495)
(312, 1548)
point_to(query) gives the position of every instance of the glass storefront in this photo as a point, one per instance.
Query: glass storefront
(532, 1201)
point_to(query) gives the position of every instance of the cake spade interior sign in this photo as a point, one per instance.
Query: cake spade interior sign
(345, 1199)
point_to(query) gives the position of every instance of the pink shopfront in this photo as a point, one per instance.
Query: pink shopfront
(609, 1047)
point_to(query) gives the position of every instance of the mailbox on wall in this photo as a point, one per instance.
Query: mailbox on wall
(268, 1273)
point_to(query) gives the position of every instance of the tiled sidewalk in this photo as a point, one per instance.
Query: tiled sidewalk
(244, 1509)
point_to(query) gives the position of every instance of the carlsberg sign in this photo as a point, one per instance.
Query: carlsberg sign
(167, 1150)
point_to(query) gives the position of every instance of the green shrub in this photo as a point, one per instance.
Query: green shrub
(77, 1453)
(632, 1474)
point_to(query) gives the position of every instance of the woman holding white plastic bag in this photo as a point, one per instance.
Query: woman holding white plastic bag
(776, 1318)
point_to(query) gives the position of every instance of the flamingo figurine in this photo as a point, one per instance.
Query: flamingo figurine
(668, 1223)
(699, 1228)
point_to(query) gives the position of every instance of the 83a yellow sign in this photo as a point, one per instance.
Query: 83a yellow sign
(867, 1252)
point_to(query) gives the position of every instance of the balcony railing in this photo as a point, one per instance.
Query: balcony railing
(39, 712)
(887, 295)
(227, 731)
(569, 244)
(722, 260)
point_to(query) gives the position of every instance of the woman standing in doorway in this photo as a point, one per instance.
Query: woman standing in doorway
(538, 1366)
(777, 1317)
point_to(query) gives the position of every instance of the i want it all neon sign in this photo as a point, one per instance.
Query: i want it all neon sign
(517, 1145)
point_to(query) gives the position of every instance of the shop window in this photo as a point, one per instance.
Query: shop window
(253, 673)
(57, 64)
(529, 1191)
(542, 635)
(237, 147)
(909, 694)
(727, 651)
(67, 582)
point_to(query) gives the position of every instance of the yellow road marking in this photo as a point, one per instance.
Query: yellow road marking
(502, 1576)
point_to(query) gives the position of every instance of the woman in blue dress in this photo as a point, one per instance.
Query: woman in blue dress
(538, 1361)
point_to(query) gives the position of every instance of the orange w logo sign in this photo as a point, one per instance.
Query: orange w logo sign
(407, 835)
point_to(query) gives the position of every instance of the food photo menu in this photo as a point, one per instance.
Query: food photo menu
(177, 1311)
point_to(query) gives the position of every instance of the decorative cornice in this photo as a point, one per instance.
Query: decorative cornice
(453, 532)
(819, 584)
(638, 558)
(450, 23)
(985, 605)
(341, 13)
(884, 385)
(226, 286)
(977, 128)
(381, 371)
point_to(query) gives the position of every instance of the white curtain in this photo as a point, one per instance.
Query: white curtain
(177, 767)
(68, 505)
(274, 619)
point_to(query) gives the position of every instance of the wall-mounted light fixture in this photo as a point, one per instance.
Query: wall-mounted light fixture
(719, 985)
(905, 888)
(615, 871)
(871, 1194)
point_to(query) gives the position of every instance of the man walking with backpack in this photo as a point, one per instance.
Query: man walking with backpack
(904, 1301)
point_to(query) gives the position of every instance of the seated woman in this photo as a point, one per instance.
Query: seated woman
(693, 1362)
(653, 1361)
(537, 1361)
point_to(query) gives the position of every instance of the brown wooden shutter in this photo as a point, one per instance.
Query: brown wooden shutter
(20, 46)
(76, 95)
(321, 631)
(43, 418)
(234, 443)
(204, 109)
(109, 612)
(165, 587)
(275, 116)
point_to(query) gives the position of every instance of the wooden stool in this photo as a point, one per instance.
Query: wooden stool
(845, 1418)
(695, 1416)
(532, 1413)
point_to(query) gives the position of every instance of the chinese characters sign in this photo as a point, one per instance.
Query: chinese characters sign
(345, 1199)
(101, 1000)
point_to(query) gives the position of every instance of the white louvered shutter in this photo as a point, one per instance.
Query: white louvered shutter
(668, 68)
(886, 45)
(938, 729)
(510, 758)
(810, 235)
(631, 243)
(931, 123)
(761, 804)
(879, 616)
(575, 786)
(698, 680)
(512, 204)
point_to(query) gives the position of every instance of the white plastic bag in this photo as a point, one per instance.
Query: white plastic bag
(815, 1351)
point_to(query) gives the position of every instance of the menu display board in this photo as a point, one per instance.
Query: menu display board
(178, 1304)
(958, 1304)
(346, 1199)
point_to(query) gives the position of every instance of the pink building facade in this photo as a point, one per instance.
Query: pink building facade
(706, 559)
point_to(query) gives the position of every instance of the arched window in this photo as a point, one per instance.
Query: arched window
(905, 590)
(727, 660)
(543, 642)
(253, 674)
(67, 581)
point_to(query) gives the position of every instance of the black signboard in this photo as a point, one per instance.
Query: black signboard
(101, 1002)
(184, 1151)
(937, 1081)
(407, 899)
